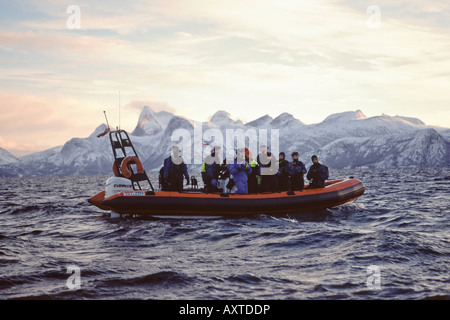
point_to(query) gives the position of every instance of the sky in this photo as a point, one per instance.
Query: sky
(62, 63)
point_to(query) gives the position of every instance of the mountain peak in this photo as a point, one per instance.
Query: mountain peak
(346, 116)
(284, 116)
(6, 157)
(148, 123)
(221, 118)
(100, 129)
(220, 115)
(263, 121)
(285, 119)
(360, 115)
(146, 113)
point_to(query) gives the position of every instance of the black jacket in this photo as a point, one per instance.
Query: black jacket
(318, 173)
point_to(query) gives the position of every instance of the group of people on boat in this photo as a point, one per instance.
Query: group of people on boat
(245, 175)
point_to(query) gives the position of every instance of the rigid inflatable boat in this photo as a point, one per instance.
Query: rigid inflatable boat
(124, 194)
(197, 203)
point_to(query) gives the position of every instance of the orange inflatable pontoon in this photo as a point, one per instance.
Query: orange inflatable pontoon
(197, 203)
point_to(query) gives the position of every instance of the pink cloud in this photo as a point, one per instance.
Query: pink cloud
(31, 123)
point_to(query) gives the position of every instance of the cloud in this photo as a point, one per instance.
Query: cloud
(192, 57)
(32, 123)
(21, 147)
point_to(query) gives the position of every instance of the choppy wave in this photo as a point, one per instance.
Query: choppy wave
(400, 226)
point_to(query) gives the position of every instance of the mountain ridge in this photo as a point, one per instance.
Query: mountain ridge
(343, 140)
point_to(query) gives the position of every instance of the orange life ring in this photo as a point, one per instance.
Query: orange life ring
(130, 160)
(116, 170)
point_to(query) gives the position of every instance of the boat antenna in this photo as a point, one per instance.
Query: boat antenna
(106, 130)
(119, 109)
(106, 118)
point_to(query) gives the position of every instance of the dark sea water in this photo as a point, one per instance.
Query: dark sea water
(392, 243)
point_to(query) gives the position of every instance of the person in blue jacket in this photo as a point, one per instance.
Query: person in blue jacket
(174, 169)
(240, 169)
(317, 174)
(297, 171)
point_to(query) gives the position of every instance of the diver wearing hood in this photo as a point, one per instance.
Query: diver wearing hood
(317, 174)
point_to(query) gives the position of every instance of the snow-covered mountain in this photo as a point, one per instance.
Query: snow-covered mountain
(422, 148)
(6, 157)
(342, 140)
(262, 122)
(148, 123)
(222, 119)
(77, 156)
(286, 120)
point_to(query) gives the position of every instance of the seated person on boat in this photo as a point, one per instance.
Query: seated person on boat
(297, 171)
(317, 173)
(240, 170)
(210, 170)
(174, 169)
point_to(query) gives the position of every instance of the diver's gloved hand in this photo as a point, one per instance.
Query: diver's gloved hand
(187, 181)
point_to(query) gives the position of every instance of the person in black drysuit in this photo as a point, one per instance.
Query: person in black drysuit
(297, 171)
(174, 169)
(211, 170)
(283, 172)
(317, 174)
(267, 171)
